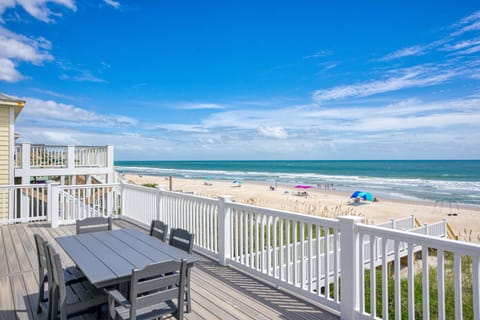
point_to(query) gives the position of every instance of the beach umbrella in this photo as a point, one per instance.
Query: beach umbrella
(362, 195)
(303, 187)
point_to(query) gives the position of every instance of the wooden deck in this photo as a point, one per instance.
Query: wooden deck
(217, 292)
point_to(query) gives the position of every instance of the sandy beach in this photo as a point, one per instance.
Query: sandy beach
(325, 203)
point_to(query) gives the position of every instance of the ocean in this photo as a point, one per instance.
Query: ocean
(445, 181)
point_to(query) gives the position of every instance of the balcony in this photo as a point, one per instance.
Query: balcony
(47, 160)
(217, 292)
(354, 270)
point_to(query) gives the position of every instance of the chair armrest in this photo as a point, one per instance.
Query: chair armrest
(114, 298)
(115, 295)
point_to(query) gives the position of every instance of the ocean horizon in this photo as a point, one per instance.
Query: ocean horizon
(446, 181)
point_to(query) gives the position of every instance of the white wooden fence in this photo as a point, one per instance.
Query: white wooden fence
(326, 261)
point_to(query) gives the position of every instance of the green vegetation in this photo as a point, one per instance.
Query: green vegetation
(149, 185)
(467, 296)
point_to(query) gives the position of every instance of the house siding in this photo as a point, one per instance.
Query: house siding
(4, 158)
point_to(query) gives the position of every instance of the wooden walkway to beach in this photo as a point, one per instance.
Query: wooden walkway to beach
(217, 292)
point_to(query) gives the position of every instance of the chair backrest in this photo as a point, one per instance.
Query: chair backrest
(94, 224)
(41, 255)
(159, 230)
(181, 239)
(156, 283)
(56, 280)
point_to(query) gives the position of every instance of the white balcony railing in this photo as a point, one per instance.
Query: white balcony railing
(340, 263)
(32, 156)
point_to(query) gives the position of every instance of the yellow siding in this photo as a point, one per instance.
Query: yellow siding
(4, 156)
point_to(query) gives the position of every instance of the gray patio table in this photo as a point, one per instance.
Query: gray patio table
(108, 257)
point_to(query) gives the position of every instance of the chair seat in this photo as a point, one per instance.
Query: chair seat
(150, 312)
(73, 274)
(82, 296)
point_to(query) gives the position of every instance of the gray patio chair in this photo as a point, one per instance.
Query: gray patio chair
(94, 224)
(153, 290)
(72, 300)
(183, 240)
(71, 274)
(159, 230)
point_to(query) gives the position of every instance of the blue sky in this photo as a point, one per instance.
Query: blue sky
(247, 79)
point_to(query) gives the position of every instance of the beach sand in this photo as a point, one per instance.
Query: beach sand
(325, 203)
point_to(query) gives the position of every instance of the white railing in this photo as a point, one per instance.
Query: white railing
(83, 201)
(86, 156)
(295, 251)
(431, 248)
(405, 223)
(338, 263)
(23, 203)
(43, 156)
(31, 156)
(195, 214)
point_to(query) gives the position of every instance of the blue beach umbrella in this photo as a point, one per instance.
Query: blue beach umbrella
(362, 195)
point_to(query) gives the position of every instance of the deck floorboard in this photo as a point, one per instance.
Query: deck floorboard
(217, 292)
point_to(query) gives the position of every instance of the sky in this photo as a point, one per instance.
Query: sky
(246, 80)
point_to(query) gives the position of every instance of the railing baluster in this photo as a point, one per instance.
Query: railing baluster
(269, 245)
(319, 261)
(361, 272)
(476, 287)
(425, 283)
(275, 247)
(287, 232)
(457, 269)
(327, 262)
(397, 289)
(302, 255)
(282, 253)
(373, 285)
(411, 284)
(384, 279)
(295, 254)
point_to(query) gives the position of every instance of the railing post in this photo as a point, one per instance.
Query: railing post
(224, 230)
(122, 199)
(26, 156)
(71, 157)
(53, 208)
(349, 264)
(159, 207)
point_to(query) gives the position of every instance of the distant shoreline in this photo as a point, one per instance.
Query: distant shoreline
(320, 202)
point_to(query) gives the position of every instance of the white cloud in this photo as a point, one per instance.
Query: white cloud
(54, 113)
(15, 48)
(82, 76)
(112, 3)
(199, 106)
(405, 52)
(273, 132)
(409, 78)
(37, 8)
(8, 72)
(319, 54)
(469, 23)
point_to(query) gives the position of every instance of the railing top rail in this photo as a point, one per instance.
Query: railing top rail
(334, 223)
(91, 147)
(17, 186)
(189, 196)
(83, 186)
(421, 239)
(139, 188)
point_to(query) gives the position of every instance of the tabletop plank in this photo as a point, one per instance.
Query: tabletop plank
(92, 266)
(108, 257)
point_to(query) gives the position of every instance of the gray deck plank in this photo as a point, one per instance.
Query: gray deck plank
(217, 292)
